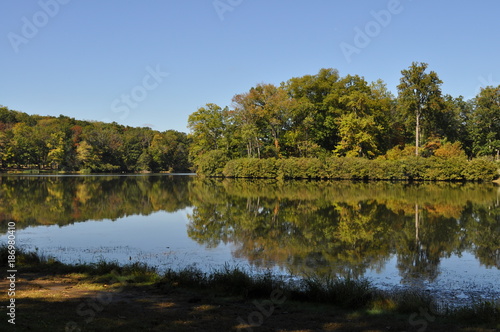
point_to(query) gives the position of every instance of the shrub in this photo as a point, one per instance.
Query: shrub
(445, 169)
(450, 150)
(480, 169)
(415, 168)
(251, 168)
(211, 163)
(454, 168)
(399, 153)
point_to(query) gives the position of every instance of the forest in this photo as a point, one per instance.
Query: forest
(314, 126)
(325, 118)
(66, 144)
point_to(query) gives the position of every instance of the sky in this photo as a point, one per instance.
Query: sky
(153, 62)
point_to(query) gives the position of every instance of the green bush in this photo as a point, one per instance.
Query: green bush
(445, 169)
(299, 168)
(480, 169)
(412, 168)
(251, 168)
(335, 168)
(211, 163)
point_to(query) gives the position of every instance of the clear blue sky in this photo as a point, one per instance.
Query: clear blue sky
(80, 57)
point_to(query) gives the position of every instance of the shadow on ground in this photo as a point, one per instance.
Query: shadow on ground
(73, 303)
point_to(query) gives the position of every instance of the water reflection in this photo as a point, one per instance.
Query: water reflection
(308, 228)
(346, 228)
(63, 200)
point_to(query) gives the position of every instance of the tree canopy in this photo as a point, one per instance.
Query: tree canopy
(314, 116)
(327, 115)
(63, 143)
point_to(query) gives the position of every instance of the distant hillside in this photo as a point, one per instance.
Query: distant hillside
(66, 144)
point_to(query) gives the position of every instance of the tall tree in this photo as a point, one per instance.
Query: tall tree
(270, 108)
(485, 124)
(358, 136)
(455, 121)
(419, 95)
(209, 131)
(317, 116)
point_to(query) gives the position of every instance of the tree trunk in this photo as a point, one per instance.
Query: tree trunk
(417, 134)
(258, 147)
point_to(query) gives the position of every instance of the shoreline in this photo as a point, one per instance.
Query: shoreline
(445, 291)
(226, 294)
(391, 180)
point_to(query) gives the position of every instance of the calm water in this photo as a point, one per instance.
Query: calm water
(444, 238)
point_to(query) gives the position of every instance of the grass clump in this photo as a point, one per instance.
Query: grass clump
(227, 280)
(411, 300)
(344, 292)
(236, 281)
(110, 272)
(487, 312)
(186, 278)
(32, 261)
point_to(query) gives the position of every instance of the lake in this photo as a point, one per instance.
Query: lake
(441, 237)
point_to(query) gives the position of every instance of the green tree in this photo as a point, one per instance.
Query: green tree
(57, 149)
(362, 120)
(6, 148)
(169, 151)
(317, 118)
(25, 144)
(269, 108)
(485, 122)
(8, 116)
(419, 96)
(106, 141)
(358, 136)
(136, 142)
(86, 156)
(457, 122)
(208, 127)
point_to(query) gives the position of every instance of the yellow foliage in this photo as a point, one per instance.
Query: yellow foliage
(398, 153)
(450, 150)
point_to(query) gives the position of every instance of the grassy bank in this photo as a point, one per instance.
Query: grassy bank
(105, 296)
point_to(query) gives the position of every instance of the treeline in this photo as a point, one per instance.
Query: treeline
(66, 144)
(327, 116)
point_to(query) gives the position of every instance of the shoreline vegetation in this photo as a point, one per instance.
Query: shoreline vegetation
(228, 295)
(320, 126)
(411, 168)
(326, 126)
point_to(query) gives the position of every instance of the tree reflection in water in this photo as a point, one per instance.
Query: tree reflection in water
(307, 227)
(345, 228)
